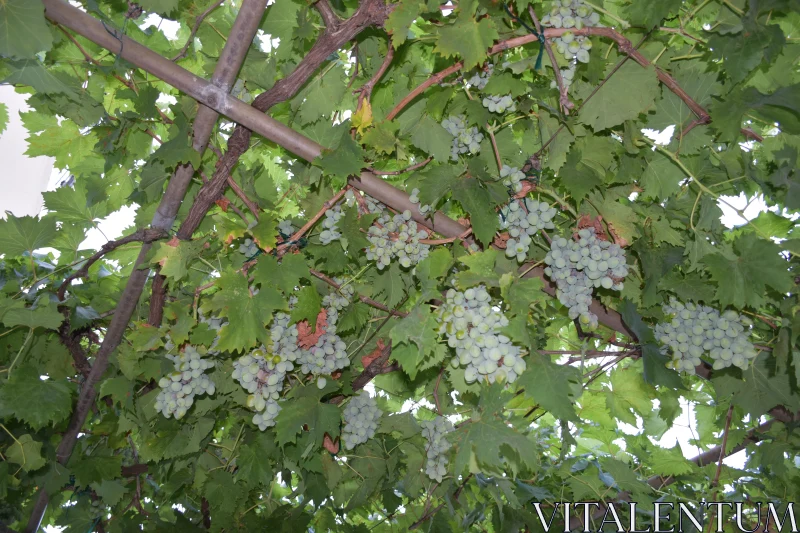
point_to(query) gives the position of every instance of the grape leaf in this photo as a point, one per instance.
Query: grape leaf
(162, 7)
(554, 387)
(467, 38)
(488, 443)
(306, 409)
(479, 203)
(25, 234)
(47, 317)
(32, 72)
(255, 463)
(26, 452)
(38, 403)
(400, 20)
(343, 161)
(307, 308)
(430, 137)
(174, 256)
(23, 29)
(743, 280)
(224, 495)
(265, 232)
(285, 275)
(630, 91)
(420, 327)
(88, 470)
(3, 117)
(247, 313)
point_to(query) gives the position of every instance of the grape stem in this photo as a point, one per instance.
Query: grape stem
(490, 131)
(563, 100)
(22, 349)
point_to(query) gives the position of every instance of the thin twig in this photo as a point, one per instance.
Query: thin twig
(415, 166)
(144, 235)
(715, 482)
(365, 91)
(195, 28)
(563, 99)
(427, 516)
(494, 148)
(364, 299)
(243, 197)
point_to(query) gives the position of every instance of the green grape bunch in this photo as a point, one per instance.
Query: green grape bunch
(435, 432)
(181, 386)
(396, 237)
(466, 139)
(578, 266)
(695, 330)
(524, 218)
(472, 324)
(360, 416)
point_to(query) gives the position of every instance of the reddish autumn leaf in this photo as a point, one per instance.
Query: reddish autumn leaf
(587, 221)
(330, 444)
(305, 337)
(367, 360)
(223, 203)
(501, 240)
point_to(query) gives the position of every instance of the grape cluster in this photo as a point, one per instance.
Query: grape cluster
(97, 509)
(572, 14)
(466, 139)
(481, 78)
(512, 178)
(180, 387)
(248, 248)
(499, 104)
(330, 231)
(285, 228)
(698, 329)
(435, 432)
(338, 299)
(329, 353)
(567, 76)
(284, 338)
(414, 199)
(360, 417)
(524, 218)
(578, 266)
(472, 326)
(399, 237)
(262, 375)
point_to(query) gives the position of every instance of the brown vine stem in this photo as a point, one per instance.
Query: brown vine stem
(724, 445)
(313, 220)
(231, 59)
(365, 91)
(243, 197)
(146, 235)
(127, 83)
(563, 99)
(434, 242)
(369, 13)
(623, 43)
(195, 28)
(497, 159)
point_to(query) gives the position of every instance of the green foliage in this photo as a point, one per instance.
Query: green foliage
(584, 419)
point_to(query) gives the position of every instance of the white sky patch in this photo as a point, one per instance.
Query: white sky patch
(109, 228)
(170, 28)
